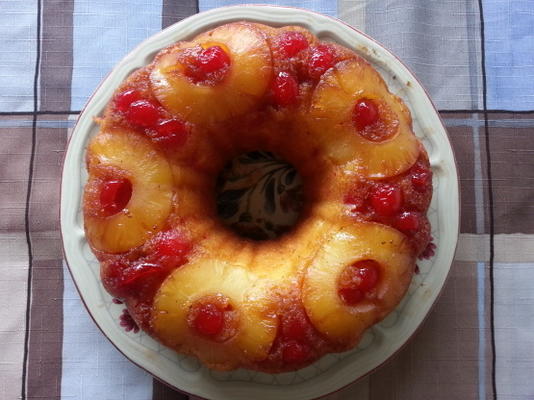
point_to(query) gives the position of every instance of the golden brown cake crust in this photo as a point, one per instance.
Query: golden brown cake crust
(150, 214)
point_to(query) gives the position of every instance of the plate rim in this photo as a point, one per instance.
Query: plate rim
(262, 9)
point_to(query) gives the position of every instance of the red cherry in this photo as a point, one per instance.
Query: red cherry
(321, 59)
(420, 181)
(212, 59)
(294, 327)
(292, 43)
(351, 295)
(285, 89)
(365, 113)
(407, 222)
(112, 275)
(139, 273)
(386, 199)
(361, 277)
(171, 132)
(367, 271)
(172, 244)
(123, 279)
(295, 352)
(209, 320)
(143, 113)
(115, 195)
(124, 99)
(420, 178)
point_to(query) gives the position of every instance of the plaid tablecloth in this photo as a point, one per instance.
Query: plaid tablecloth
(477, 61)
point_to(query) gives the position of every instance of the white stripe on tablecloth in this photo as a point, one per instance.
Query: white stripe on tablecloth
(509, 248)
(104, 32)
(514, 308)
(92, 368)
(353, 12)
(18, 52)
(13, 283)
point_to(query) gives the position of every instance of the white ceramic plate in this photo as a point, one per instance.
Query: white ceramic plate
(333, 371)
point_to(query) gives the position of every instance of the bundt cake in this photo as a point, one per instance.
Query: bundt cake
(203, 290)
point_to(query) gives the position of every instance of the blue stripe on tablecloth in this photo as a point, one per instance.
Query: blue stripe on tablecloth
(104, 32)
(25, 123)
(509, 34)
(92, 368)
(328, 7)
(481, 270)
(17, 54)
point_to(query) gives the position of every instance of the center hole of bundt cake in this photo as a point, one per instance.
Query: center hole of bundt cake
(259, 195)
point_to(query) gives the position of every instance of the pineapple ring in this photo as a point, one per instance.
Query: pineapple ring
(331, 122)
(338, 321)
(247, 80)
(204, 277)
(152, 187)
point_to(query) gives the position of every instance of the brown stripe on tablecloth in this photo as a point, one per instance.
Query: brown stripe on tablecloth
(43, 371)
(174, 11)
(466, 135)
(15, 145)
(441, 361)
(500, 117)
(46, 334)
(46, 313)
(56, 55)
(160, 391)
(457, 114)
(15, 149)
(512, 143)
(462, 143)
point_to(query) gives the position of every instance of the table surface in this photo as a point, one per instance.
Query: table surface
(476, 59)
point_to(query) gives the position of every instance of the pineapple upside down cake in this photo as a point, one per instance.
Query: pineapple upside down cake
(203, 290)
